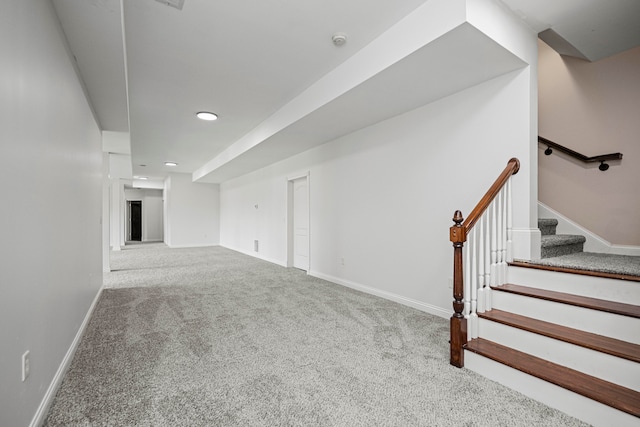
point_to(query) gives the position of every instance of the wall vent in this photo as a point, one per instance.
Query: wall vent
(173, 3)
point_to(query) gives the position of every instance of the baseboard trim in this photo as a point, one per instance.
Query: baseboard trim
(198, 245)
(257, 255)
(47, 400)
(418, 305)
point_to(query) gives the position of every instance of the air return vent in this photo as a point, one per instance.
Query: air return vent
(173, 3)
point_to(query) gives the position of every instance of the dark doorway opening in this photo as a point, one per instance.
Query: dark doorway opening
(135, 220)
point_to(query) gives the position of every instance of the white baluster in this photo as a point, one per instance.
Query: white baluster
(473, 322)
(499, 252)
(488, 304)
(494, 244)
(503, 265)
(481, 263)
(467, 277)
(509, 222)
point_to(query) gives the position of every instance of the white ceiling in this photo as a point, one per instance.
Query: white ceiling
(150, 67)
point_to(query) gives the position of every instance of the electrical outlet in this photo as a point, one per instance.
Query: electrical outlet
(26, 368)
(450, 282)
(342, 262)
(256, 246)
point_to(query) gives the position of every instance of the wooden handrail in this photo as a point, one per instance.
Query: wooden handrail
(458, 235)
(513, 166)
(601, 158)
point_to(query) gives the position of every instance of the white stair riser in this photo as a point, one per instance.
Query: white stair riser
(577, 406)
(611, 325)
(609, 368)
(623, 291)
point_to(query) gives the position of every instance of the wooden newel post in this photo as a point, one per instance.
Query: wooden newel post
(458, 325)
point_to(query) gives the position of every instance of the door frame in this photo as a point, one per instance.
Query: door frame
(290, 231)
(128, 221)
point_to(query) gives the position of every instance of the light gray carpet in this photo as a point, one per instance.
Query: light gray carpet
(606, 263)
(210, 337)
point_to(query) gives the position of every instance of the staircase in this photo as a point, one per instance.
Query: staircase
(553, 244)
(569, 340)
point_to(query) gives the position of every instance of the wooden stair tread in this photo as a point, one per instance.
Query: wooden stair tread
(610, 394)
(603, 344)
(575, 300)
(525, 264)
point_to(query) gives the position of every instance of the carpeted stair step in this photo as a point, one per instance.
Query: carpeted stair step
(593, 271)
(561, 244)
(574, 300)
(547, 226)
(613, 395)
(607, 345)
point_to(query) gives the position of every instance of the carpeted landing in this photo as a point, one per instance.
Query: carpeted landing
(589, 261)
(210, 337)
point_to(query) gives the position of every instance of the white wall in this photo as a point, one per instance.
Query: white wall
(382, 198)
(191, 212)
(152, 203)
(120, 174)
(50, 214)
(152, 220)
(106, 214)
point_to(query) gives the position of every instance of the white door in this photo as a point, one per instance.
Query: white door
(301, 224)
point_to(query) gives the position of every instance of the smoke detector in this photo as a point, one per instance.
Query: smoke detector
(173, 3)
(339, 39)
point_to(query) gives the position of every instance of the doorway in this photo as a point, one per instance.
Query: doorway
(299, 223)
(134, 220)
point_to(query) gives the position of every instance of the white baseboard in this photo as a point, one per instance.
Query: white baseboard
(257, 255)
(197, 245)
(47, 400)
(418, 305)
(427, 308)
(594, 242)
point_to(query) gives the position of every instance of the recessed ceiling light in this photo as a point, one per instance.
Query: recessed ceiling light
(206, 115)
(170, 164)
(143, 178)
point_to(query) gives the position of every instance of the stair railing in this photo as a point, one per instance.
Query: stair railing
(483, 262)
(601, 158)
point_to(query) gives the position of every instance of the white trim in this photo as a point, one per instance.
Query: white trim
(289, 218)
(256, 255)
(298, 176)
(197, 245)
(47, 400)
(594, 242)
(526, 243)
(418, 305)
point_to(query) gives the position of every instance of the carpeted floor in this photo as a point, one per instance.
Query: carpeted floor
(606, 263)
(210, 337)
